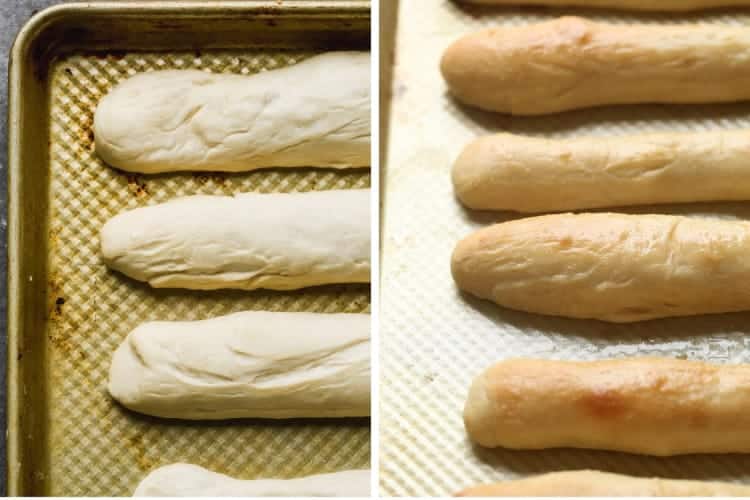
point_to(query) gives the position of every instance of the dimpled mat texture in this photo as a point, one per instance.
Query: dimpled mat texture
(98, 448)
(434, 340)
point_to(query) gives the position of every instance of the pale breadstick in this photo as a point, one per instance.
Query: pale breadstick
(525, 174)
(572, 63)
(315, 113)
(186, 480)
(277, 241)
(612, 267)
(660, 5)
(651, 406)
(253, 364)
(589, 483)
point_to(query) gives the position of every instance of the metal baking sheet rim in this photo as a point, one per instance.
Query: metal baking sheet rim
(24, 296)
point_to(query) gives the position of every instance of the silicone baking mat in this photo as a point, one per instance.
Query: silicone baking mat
(98, 448)
(434, 340)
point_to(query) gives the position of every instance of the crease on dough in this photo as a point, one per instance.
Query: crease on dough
(315, 113)
(248, 241)
(244, 365)
(609, 266)
(572, 63)
(536, 175)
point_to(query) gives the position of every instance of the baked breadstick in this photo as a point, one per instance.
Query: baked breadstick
(572, 63)
(662, 5)
(525, 174)
(589, 483)
(651, 406)
(275, 241)
(186, 480)
(612, 267)
(315, 113)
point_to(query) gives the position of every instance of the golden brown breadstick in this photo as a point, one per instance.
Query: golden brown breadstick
(652, 406)
(661, 5)
(589, 483)
(612, 267)
(526, 174)
(573, 63)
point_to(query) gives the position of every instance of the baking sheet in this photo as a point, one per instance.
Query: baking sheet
(88, 445)
(434, 339)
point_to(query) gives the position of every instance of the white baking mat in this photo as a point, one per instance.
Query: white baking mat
(434, 339)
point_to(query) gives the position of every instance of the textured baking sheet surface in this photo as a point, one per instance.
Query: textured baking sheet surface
(98, 448)
(434, 340)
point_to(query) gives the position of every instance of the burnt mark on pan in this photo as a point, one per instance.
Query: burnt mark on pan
(139, 450)
(55, 300)
(218, 178)
(59, 335)
(59, 303)
(53, 237)
(137, 186)
(86, 133)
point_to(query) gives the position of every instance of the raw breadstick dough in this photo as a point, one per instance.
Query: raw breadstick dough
(612, 267)
(588, 483)
(249, 241)
(652, 406)
(315, 113)
(246, 365)
(185, 480)
(525, 174)
(573, 63)
(660, 5)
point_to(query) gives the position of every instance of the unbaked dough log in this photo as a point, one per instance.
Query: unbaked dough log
(652, 406)
(315, 113)
(185, 480)
(612, 267)
(588, 483)
(526, 174)
(572, 63)
(661, 5)
(248, 241)
(246, 365)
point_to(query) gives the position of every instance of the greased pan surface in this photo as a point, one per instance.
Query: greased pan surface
(435, 340)
(67, 312)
